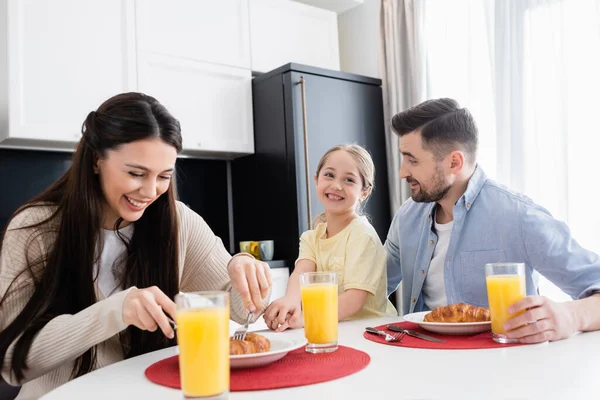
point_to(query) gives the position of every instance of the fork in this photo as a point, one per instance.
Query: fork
(396, 337)
(240, 333)
(388, 337)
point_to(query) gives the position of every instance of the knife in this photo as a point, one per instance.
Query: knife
(415, 334)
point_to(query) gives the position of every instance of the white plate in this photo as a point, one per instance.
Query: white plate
(280, 346)
(448, 328)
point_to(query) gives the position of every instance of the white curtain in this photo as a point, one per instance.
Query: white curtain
(403, 75)
(403, 72)
(529, 71)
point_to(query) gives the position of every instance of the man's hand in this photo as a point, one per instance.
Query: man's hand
(541, 320)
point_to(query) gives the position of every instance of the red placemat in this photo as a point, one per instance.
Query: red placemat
(452, 342)
(297, 368)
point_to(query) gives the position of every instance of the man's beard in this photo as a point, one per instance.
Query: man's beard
(439, 191)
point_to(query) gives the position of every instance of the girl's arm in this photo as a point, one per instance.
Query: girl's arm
(364, 273)
(293, 287)
(350, 302)
(286, 312)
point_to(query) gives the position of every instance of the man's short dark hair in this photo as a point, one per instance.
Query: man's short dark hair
(444, 126)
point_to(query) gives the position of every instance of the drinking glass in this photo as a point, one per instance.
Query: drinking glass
(320, 310)
(505, 286)
(203, 337)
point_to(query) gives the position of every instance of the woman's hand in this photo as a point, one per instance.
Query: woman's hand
(284, 313)
(144, 308)
(252, 279)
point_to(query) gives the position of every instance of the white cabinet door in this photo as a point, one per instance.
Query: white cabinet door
(65, 57)
(285, 31)
(279, 277)
(214, 31)
(213, 103)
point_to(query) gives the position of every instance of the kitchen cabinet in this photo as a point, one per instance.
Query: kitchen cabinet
(280, 277)
(64, 58)
(287, 31)
(212, 102)
(211, 31)
(339, 6)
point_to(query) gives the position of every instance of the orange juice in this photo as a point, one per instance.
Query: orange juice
(203, 338)
(320, 309)
(503, 292)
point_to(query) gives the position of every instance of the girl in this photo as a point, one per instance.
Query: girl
(344, 242)
(89, 267)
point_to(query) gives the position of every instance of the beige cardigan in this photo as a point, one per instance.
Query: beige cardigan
(202, 266)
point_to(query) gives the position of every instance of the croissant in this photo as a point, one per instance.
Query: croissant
(237, 347)
(253, 343)
(459, 312)
(261, 343)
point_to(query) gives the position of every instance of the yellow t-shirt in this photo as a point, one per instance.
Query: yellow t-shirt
(359, 258)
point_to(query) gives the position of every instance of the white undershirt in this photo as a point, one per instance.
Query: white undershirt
(434, 288)
(113, 249)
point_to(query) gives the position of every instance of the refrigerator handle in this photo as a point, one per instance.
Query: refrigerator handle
(302, 84)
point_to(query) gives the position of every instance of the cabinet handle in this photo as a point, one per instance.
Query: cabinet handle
(302, 84)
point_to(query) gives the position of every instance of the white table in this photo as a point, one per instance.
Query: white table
(568, 369)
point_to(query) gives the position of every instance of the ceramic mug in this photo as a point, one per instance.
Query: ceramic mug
(251, 247)
(266, 247)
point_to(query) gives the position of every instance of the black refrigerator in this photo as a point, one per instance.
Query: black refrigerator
(300, 112)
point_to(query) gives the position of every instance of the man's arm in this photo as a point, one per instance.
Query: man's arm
(543, 319)
(586, 313)
(551, 250)
(392, 247)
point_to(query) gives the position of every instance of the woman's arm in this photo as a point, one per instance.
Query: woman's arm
(205, 263)
(65, 337)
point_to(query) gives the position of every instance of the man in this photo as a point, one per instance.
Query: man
(458, 220)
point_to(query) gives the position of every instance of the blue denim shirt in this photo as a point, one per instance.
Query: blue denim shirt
(491, 224)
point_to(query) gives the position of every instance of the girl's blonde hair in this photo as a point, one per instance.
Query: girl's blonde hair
(366, 170)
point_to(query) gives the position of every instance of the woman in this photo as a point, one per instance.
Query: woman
(89, 267)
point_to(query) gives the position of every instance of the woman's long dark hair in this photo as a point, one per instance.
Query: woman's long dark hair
(64, 277)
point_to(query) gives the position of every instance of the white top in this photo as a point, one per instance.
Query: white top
(434, 288)
(113, 251)
(527, 372)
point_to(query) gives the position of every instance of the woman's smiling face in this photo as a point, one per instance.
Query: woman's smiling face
(133, 176)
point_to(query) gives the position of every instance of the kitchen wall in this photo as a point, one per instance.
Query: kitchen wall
(202, 184)
(358, 30)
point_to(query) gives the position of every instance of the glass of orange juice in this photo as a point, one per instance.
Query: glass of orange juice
(320, 309)
(505, 286)
(203, 337)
